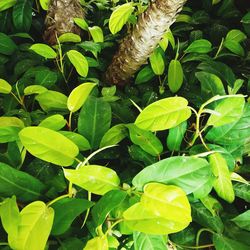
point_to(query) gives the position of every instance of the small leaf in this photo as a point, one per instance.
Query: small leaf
(234, 47)
(243, 220)
(6, 4)
(222, 184)
(7, 46)
(6, 121)
(34, 89)
(44, 4)
(228, 110)
(242, 191)
(54, 122)
(199, 46)
(79, 95)
(157, 62)
(81, 23)
(5, 87)
(95, 179)
(43, 50)
(144, 75)
(236, 35)
(69, 38)
(79, 62)
(164, 114)
(175, 76)
(97, 243)
(120, 16)
(97, 34)
(49, 145)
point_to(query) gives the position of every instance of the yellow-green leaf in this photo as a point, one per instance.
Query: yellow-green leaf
(34, 89)
(96, 179)
(164, 114)
(49, 145)
(69, 38)
(6, 4)
(157, 62)
(79, 95)
(81, 23)
(97, 34)
(6, 121)
(5, 87)
(43, 50)
(175, 76)
(120, 16)
(97, 243)
(79, 62)
(54, 122)
(44, 4)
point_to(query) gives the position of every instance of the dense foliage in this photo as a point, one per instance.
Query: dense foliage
(161, 163)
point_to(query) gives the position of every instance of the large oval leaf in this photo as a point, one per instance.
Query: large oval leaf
(43, 50)
(120, 16)
(164, 114)
(49, 145)
(187, 172)
(79, 62)
(34, 228)
(96, 179)
(79, 95)
(175, 76)
(199, 46)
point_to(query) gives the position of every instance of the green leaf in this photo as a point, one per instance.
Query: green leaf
(97, 243)
(34, 89)
(94, 120)
(22, 185)
(97, 34)
(11, 122)
(145, 139)
(223, 243)
(227, 111)
(167, 201)
(7, 46)
(114, 135)
(119, 17)
(157, 62)
(69, 38)
(95, 179)
(81, 23)
(186, 172)
(35, 226)
(164, 114)
(236, 35)
(242, 191)
(79, 95)
(10, 216)
(144, 75)
(22, 15)
(6, 4)
(212, 205)
(79, 62)
(44, 4)
(203, 216)
(9, 129)
(148, 241)
(52, 100)
(49, 145)
(175, 76)
(176, 136)
(80, 141)
(243, 220)
(234, 47)
(222, 184)
(54, 122)
(5, 87)
(43, 50)
(66, 211)
(199, 46)
(106, 204)
(211, 85)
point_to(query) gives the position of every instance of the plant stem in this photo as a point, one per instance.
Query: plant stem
(200, 232)
(113, 225)
(57, 199)
(70, 120)
(219, 49)
(87, 213)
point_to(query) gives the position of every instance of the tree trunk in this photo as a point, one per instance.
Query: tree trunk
(60, 19)
(138, 46)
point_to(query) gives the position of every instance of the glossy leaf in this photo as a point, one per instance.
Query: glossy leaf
(157, 62)
(164, 114)
(145, 75)
(79, 95)
(176, 136)
(79, 62)
(44, 50)
(236, 35)
(242, 191)
(97, 243)
(7, 46)
(175, 76)
(145, 139)
(212, 205)
(114, 135)
(5, 87)
(97, 34)
(69, 38)
(54, 122)
(106, 204)
(234, 47)
(81, 23)
(6, 4)
(199, 46)
(95, 179)
(34, 89)
(44, 4)
(119, 17)
(189, 173)
(243, 220)
(66, 211)
(22, 185)
(94, 120)
(35, 226)
(49, 145)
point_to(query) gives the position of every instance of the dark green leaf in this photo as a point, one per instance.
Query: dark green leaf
(7, 46)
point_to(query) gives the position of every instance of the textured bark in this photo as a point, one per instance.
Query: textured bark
(138, 46)
(60, 19)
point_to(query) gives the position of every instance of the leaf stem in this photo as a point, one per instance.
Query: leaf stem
(113, 225)
(57, 199)
(200, 232)
(219, 49)
(87, 212)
